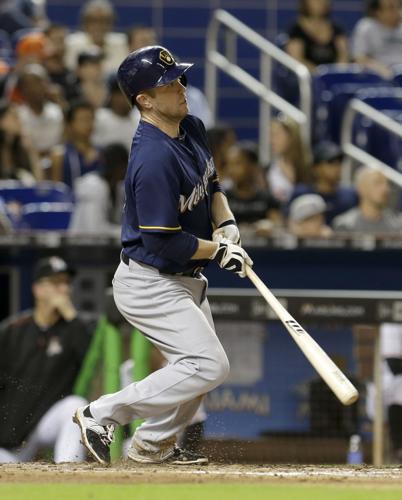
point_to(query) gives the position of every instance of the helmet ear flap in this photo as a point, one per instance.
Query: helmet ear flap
(183, 80)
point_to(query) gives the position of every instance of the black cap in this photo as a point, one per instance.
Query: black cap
(51, 266)
(90, 55)
(327, 151)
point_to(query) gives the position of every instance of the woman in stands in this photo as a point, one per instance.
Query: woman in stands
(18, 159)
(77, 156)
(290, 163)
(315, 39)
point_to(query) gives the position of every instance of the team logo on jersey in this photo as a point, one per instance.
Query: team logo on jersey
(200, 190)
(54, 347)
(166, 57)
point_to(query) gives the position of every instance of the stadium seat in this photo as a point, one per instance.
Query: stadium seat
(44, 191)
(333, 86)
(47, 216)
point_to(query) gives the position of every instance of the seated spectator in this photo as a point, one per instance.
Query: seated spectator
(41, 353)
(117, 122)
(377, 38)
(42, 120)
(77, 156)
(18, 159)
(372, 215)
(307, 217)
(54, 62)
(220, 139)
(290, 158)
(92, 83)
(99, 195)
(315, 39)
(97, 19)
(141, 36)
(250, 205)
(326, 175)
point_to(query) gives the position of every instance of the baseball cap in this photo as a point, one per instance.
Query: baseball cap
(327, 151)
(50, 266)
(92, 54)
(306, 206)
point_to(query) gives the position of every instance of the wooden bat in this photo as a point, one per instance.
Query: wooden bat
(341, 386)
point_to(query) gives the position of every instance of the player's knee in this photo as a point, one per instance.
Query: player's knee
(218, 368)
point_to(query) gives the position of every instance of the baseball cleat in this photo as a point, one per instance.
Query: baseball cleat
(176, 456)
(95, 437)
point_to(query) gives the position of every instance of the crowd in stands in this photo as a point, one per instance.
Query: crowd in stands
(64, 119)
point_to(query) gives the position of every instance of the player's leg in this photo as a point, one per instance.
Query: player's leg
(168, 425)
(57, 430)
(167, 310)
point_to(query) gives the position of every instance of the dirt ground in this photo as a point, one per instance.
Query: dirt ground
(127, 473)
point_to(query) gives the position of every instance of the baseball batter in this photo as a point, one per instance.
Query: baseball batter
(176, 220)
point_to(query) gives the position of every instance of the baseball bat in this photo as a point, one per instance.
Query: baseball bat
(341, 386)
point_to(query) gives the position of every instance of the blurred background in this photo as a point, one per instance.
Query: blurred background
(302, 102)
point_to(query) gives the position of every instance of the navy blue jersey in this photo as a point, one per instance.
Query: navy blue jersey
(169, 186)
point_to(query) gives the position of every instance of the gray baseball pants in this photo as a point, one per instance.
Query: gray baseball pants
(174, 314)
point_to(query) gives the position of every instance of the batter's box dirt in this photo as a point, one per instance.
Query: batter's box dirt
(126, 473)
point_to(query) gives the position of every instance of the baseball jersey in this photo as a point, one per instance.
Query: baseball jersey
(38, 367)
(169, 186)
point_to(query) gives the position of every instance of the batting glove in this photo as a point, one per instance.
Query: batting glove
(227, 230)
(232, 258)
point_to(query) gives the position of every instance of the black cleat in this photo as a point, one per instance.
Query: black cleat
(187, 457)
(95, 437)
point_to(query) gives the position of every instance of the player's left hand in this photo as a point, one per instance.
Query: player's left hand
(228, 230)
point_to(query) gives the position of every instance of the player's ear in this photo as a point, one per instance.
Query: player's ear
(144, 101)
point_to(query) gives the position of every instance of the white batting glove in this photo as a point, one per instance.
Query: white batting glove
(228, 230)
(232, 258)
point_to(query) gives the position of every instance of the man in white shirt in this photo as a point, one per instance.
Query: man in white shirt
(97, 19)
(116, 123)
(377, 39)
(41, 119)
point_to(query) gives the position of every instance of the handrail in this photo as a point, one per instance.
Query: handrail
(261, 88)
(357, 106)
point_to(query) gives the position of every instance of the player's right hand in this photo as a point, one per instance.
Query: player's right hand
(232, 258)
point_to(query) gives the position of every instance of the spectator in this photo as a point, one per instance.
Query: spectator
(54, 62)
(41, 353)
(250, 205)
(77, 156)
(18, 159)
(315, 39)
(290, 163)
(91, 80)
(141, 36)
(99, 195)
(5, 223)
(97, 20)
(117, 122)
(306, 217)
(372, 214)
(221, 138)
(326, 173)
(377, 38)
(391, 352)
(42, 120)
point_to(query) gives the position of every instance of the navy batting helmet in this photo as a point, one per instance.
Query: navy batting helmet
(148, 68)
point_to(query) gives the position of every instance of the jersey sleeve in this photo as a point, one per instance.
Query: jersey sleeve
(157, 193)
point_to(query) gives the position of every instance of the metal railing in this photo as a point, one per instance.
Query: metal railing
(262, 88)
(356, 106)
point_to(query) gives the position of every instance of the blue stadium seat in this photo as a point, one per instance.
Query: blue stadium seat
(47, 216)
(333, 86)
(44, 191)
